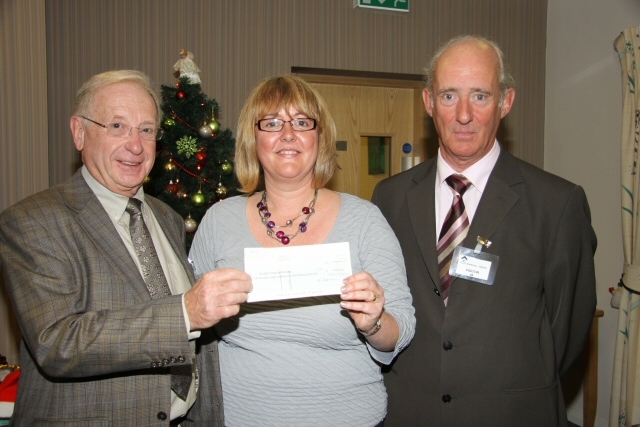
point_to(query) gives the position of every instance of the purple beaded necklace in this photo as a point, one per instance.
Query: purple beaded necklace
(280, 235)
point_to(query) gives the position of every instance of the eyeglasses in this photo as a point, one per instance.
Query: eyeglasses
(276, 125)
(118, 130)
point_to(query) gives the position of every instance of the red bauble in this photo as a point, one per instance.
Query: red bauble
(181, 94)
(172, 187)
(201, 156)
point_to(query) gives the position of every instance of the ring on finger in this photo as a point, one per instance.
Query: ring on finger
(375, 297)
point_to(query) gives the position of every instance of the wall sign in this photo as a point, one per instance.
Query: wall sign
(391, 5)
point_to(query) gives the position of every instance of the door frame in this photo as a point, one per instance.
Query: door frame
(421, 128)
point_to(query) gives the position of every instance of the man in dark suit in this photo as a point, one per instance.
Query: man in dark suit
(494, 332)
(100, 282)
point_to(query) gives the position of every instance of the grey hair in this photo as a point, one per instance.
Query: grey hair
(506, 80)
(84, 97)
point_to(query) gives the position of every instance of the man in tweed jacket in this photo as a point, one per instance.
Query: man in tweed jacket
(97, 349)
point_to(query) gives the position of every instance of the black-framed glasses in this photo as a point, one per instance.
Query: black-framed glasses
(276, 125)
(119, 130)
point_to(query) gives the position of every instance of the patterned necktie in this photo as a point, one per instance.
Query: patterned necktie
(156, 282)
(454, 230)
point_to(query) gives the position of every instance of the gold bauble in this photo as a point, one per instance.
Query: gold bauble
(198, 199)
(214, 125)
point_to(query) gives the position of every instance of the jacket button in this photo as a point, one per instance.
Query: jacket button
(447, 345)
(446, 398)
(436, 291)
(162, 416)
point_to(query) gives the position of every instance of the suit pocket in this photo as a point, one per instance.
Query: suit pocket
(532, 407)
(552, 384)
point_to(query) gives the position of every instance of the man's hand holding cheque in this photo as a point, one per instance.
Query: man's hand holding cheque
(216, 296)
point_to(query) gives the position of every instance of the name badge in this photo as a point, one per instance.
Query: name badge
(473, 264)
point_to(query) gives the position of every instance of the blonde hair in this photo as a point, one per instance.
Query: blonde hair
(269, 97)
(84, 97)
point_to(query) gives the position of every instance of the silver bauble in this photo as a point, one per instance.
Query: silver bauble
(205, 131)
(190, 225)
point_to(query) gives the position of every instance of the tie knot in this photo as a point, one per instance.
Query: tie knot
(134, 206)
(459, 183)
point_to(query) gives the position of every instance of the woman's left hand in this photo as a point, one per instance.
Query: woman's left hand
(364, 299)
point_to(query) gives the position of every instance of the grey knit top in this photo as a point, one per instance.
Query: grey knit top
(301, 362)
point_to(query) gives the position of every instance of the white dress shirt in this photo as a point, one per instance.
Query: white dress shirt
(478, 174)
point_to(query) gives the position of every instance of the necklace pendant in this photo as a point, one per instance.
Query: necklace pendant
(281, 236)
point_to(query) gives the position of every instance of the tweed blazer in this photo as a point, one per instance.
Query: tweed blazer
(493, 356)
(91, 331)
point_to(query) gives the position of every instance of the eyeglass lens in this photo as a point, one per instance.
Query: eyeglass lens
(276, 125)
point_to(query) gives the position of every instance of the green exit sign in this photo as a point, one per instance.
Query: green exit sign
(392, 5)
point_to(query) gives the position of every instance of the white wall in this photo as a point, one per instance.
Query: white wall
(583, 103)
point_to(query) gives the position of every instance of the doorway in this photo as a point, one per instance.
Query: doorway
(380, 122)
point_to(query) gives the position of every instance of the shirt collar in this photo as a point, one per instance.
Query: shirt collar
(115, 204)
(478, 173)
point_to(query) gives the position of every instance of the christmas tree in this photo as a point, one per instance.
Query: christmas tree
(194, 159)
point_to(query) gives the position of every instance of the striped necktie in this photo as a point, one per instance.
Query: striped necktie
(454, 230)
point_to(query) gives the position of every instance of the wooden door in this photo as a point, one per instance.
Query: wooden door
(378, 109)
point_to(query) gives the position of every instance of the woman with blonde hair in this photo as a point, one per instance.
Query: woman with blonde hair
(306, 361)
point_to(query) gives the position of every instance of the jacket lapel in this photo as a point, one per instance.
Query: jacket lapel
(497, 199)
(98, 226)
(420, 200)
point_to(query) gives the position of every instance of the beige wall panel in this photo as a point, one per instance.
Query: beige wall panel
(23, 125)
(239, 42)
(582, 144)
(23, 104)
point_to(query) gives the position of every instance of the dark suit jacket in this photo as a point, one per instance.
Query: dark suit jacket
(510, 340)
(90, 328)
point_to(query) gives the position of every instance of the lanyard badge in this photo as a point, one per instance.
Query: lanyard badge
(473, 264)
